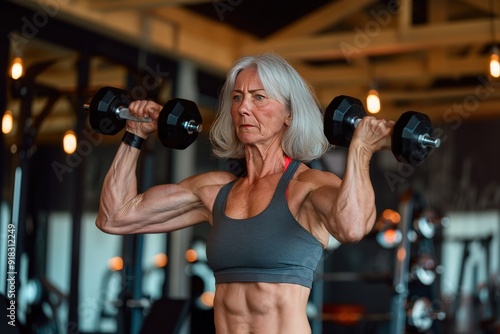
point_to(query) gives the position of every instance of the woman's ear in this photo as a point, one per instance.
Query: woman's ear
(288, 119)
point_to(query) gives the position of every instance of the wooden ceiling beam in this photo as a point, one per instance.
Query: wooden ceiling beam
(67, 78)
(452, 94)
(404, 70)
(484, 5)
(322, 18)
(214, 46)
(479, 93)
(174, 32)
(437, 12)
(405, 15)
(389, 41)
(113, 5)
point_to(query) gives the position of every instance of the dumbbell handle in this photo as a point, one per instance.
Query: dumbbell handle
(424, 139)
(124, 113)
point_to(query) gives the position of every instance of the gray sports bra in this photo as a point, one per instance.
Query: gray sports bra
(269, 247)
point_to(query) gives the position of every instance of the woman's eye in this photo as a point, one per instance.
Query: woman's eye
(237, 98)
(259, 97)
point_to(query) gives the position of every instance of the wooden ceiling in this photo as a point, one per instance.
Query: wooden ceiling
(431, 56)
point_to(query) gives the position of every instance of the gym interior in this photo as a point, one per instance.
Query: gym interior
(431, 263)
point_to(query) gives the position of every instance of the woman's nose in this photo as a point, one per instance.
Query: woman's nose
(245, 106)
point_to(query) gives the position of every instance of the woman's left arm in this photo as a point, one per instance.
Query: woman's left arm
(347, 206)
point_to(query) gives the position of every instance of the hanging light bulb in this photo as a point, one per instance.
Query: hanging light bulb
(69, 142)
(494, 63)
(373, 101)
(7, 122)
(16, 70)
(160, 260)
(115, 263)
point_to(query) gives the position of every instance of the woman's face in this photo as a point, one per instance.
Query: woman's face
(258, 119)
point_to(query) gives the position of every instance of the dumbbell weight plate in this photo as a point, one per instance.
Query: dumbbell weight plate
(102, 110)
(405, 137)
(172, 122)
(339, 119)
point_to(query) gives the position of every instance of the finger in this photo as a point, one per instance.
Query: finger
(133, 106)
(153, 109)
(142, 108)
(386, 127)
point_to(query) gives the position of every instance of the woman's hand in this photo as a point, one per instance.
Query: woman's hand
(373, 134)
(143, 109)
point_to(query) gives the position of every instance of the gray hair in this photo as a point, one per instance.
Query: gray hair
(303, 140)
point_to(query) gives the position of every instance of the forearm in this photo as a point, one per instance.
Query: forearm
(354, 211)
(119, 187)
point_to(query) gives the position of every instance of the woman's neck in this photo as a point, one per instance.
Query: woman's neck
(260, 165)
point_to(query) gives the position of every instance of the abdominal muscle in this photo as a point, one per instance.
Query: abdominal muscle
(270, 308)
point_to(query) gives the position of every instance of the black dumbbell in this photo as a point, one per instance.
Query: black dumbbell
(411, 138)
(179, 122)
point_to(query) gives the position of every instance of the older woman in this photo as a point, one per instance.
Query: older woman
(270, 226)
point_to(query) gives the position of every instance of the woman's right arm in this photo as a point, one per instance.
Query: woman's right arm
(162, 208)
